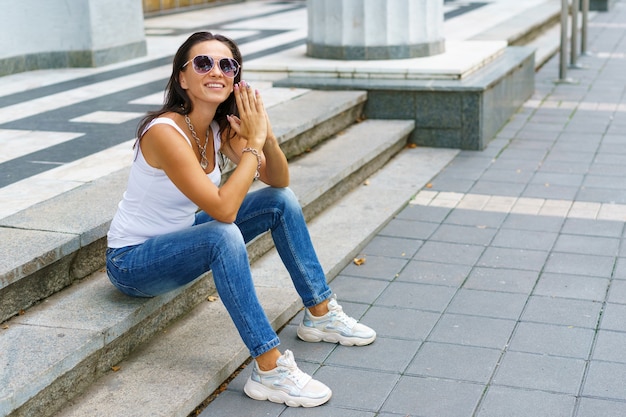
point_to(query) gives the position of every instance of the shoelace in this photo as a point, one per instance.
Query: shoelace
(337, 312)
(293, 372)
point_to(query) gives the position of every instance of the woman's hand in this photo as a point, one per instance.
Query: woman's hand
(252, 124)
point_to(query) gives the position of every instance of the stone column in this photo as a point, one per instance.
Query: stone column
(39, 34)
(374, 29)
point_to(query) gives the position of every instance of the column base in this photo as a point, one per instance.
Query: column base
(357, 53)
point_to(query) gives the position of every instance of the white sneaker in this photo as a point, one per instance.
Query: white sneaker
(286, 384)
(335, 327)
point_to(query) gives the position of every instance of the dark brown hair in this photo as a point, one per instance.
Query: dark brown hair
(176, 98)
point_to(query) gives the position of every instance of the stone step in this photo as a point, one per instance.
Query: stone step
(199, 352)
(61, 346)
(62, 240)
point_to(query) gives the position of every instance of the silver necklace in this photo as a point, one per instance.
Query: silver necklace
(204, 162)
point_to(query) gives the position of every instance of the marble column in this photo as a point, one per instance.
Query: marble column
(374, 29)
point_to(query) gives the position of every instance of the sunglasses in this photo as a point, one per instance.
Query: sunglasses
(202, 64)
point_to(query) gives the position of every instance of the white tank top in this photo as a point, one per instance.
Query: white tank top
(152, 205)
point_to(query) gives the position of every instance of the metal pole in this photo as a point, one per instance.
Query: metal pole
(583, 30)
(563, 53)
(574, 37)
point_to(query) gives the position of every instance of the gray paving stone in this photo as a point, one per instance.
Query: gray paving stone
(451, 184)
(532, 260)
(392, 247)
(502, 279)
(555, 192)
(617, 292)
(328, 410)
(416, 296)
(540, 372)
(606, 228)
(529, 222)
(524, 239)
(424, 213)
(562, 311)
(453, 253)
(408, 229)
(375, 384)
(381, 267)
(552, 178)
(578, 264)
(610, 346)
(506, 189)
(236, 403)
(464, 363)
(572, 286)
(502, 305)
(587, 245)
(605, 380)
(434, 273)
(547, 339)
(472, 331)
(470, 235)
(358, 290)
(401, 323)
(613, 317)
(566, 167)
(475, 218)
(385, 354)
(512, 402)
(433, 397)
(592, 407)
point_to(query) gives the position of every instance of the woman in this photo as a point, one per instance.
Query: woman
(159, 240)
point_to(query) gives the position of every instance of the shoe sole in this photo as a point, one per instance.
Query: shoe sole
(313, 335)
(260, 392)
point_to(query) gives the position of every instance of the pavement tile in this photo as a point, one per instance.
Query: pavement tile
(472, 331)
(524, 239)
(424, 214)
(392, 247)
(578, 264)
(613, 317)
(431, 397)
(587, 245)
(375, 384)
(610, 346)
(605, 228)
(453, 253)
(548, 339)
(464, 363)
(536, 223)
(358, 290)
(502, 279)
(540, 372)
(513, 402)
(385, 354)
(434, 273)
(408, 229)
(572, 286)
(470, 235)
(605, 380)
(532, 260)
(592, 407)
(401, 323)
(510, 189)
(475, 218)
(381, 267)
(502, 305)
(416, 296)
(562, 311)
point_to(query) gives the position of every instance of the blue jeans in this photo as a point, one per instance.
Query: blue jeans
(166, 262)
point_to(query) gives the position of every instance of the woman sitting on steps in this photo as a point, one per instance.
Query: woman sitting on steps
(159, 240)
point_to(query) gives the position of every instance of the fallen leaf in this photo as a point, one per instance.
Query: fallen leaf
(116, 368)
(366, 182)
(411, 145)
(429, 185)
(212, 298)
(6, 326)
(359, 261)
(22, 312)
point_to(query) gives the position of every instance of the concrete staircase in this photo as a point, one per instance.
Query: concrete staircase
(73, 329)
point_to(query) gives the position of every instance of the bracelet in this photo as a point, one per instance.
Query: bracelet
(258, 160)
